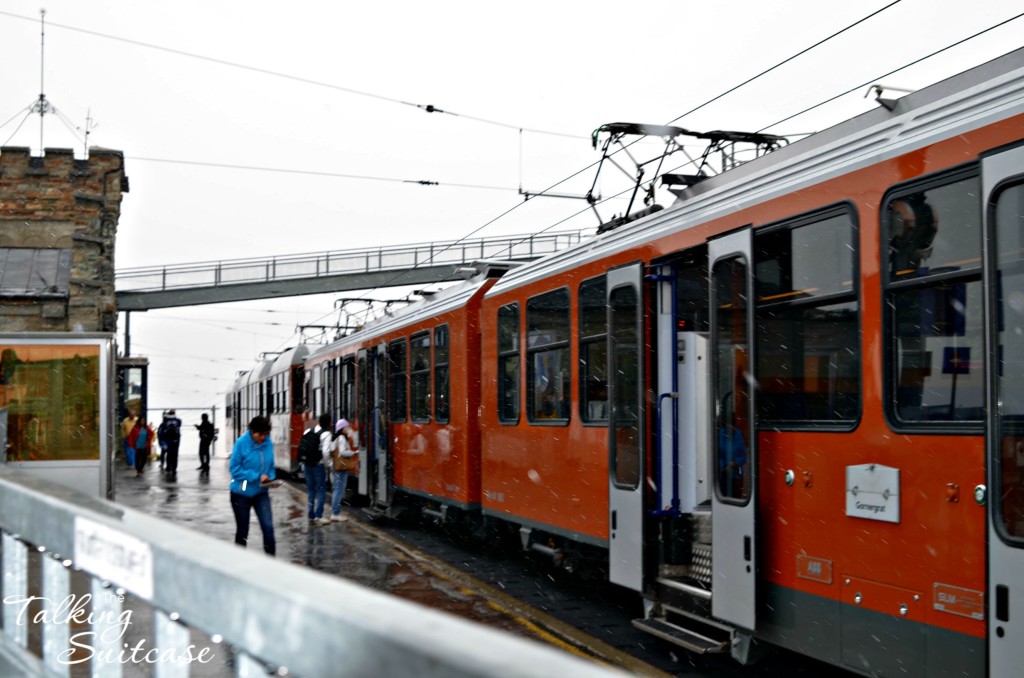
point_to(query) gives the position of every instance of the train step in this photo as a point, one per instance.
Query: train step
(686, 638)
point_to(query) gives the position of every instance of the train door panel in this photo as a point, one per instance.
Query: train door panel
(362, 410)
(626, 426)
(380, 429)
(1003, 185)
(733, 443)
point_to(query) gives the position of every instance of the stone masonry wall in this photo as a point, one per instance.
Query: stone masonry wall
(57, 201)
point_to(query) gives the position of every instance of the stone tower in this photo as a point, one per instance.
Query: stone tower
(58, 222)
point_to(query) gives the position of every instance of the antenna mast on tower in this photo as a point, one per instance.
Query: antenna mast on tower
(42, 106)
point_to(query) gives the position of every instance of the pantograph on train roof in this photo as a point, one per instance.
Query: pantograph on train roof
(733, 148)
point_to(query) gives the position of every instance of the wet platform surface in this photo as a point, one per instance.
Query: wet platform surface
(353, 549)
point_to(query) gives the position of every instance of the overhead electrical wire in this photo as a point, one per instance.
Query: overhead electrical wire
(875, 79)
(336, 175)
(434, 109)
(729, 91)
(713, 99)
(429, 108)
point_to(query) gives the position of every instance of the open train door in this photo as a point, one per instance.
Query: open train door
(626, 424)
(380, 426)
(1003, 185)
(733, 503)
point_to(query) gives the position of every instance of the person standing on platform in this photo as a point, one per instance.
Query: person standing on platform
(343, 460)
(169, 434)
(252, 470)
(127, 424)
(314, 449)
(205, 440)
(143, 438)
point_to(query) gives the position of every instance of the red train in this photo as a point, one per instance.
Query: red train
(787, 410)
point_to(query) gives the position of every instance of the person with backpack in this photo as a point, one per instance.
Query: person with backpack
(169, 435)
(252, 473)
(315, 449)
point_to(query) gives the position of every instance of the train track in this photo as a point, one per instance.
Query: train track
(580, 612)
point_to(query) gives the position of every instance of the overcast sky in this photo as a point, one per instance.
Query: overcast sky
(318, 109)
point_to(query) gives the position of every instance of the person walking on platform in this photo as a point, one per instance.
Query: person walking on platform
(127, 424)
(205, 440)
(343, 460)
(314, 450)
(142, 439)
(252, 470)
(169, 434)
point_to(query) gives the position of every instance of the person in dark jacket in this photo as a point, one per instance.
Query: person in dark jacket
(206, 434)
(169, 435)
(252, 469)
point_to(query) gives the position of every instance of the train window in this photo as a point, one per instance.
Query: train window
(441, 383)
(934, 303)
(419, 376)
(397, 381)
(730, 380)
(627, 387)
(508, 364)
(593, 351)
(1008, 217)
(363, 392)
(808, 337)
(348, 388)
(298, 377)
(547, 357)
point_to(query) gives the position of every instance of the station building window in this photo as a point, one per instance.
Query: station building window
(397, 380)
(442, 407)
(508, 364)
(933, 298)
(548, 376)
(808, 333)
(50, 401)
(419, 376)
(34, 272)
(593, 344)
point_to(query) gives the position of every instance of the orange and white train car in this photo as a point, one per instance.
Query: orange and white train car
(410, 385)
(788, 408)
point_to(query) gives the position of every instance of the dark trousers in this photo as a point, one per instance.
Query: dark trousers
(171, 463)
(204, 456)
(141, 457)
(260, 503)
(316, 489)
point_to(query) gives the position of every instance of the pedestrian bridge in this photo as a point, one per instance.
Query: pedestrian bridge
(214, 282)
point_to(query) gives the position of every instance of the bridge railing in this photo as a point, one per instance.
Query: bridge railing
(92, 586)
(337, 262)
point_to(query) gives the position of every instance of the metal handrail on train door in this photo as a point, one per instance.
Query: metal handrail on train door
(673, 510)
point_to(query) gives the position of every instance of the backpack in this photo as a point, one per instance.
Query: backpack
(170, 431)
(309, 447)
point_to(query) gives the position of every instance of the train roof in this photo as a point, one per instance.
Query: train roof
(450, 298)
(976, 97)
(283, 361)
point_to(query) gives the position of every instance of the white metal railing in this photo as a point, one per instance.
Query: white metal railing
(337, 262)
(87, 574)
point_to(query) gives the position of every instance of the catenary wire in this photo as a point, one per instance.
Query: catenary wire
(886, 75)
(748, 81)
(429, 108)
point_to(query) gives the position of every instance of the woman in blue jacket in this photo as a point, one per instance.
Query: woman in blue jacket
(252, 468)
